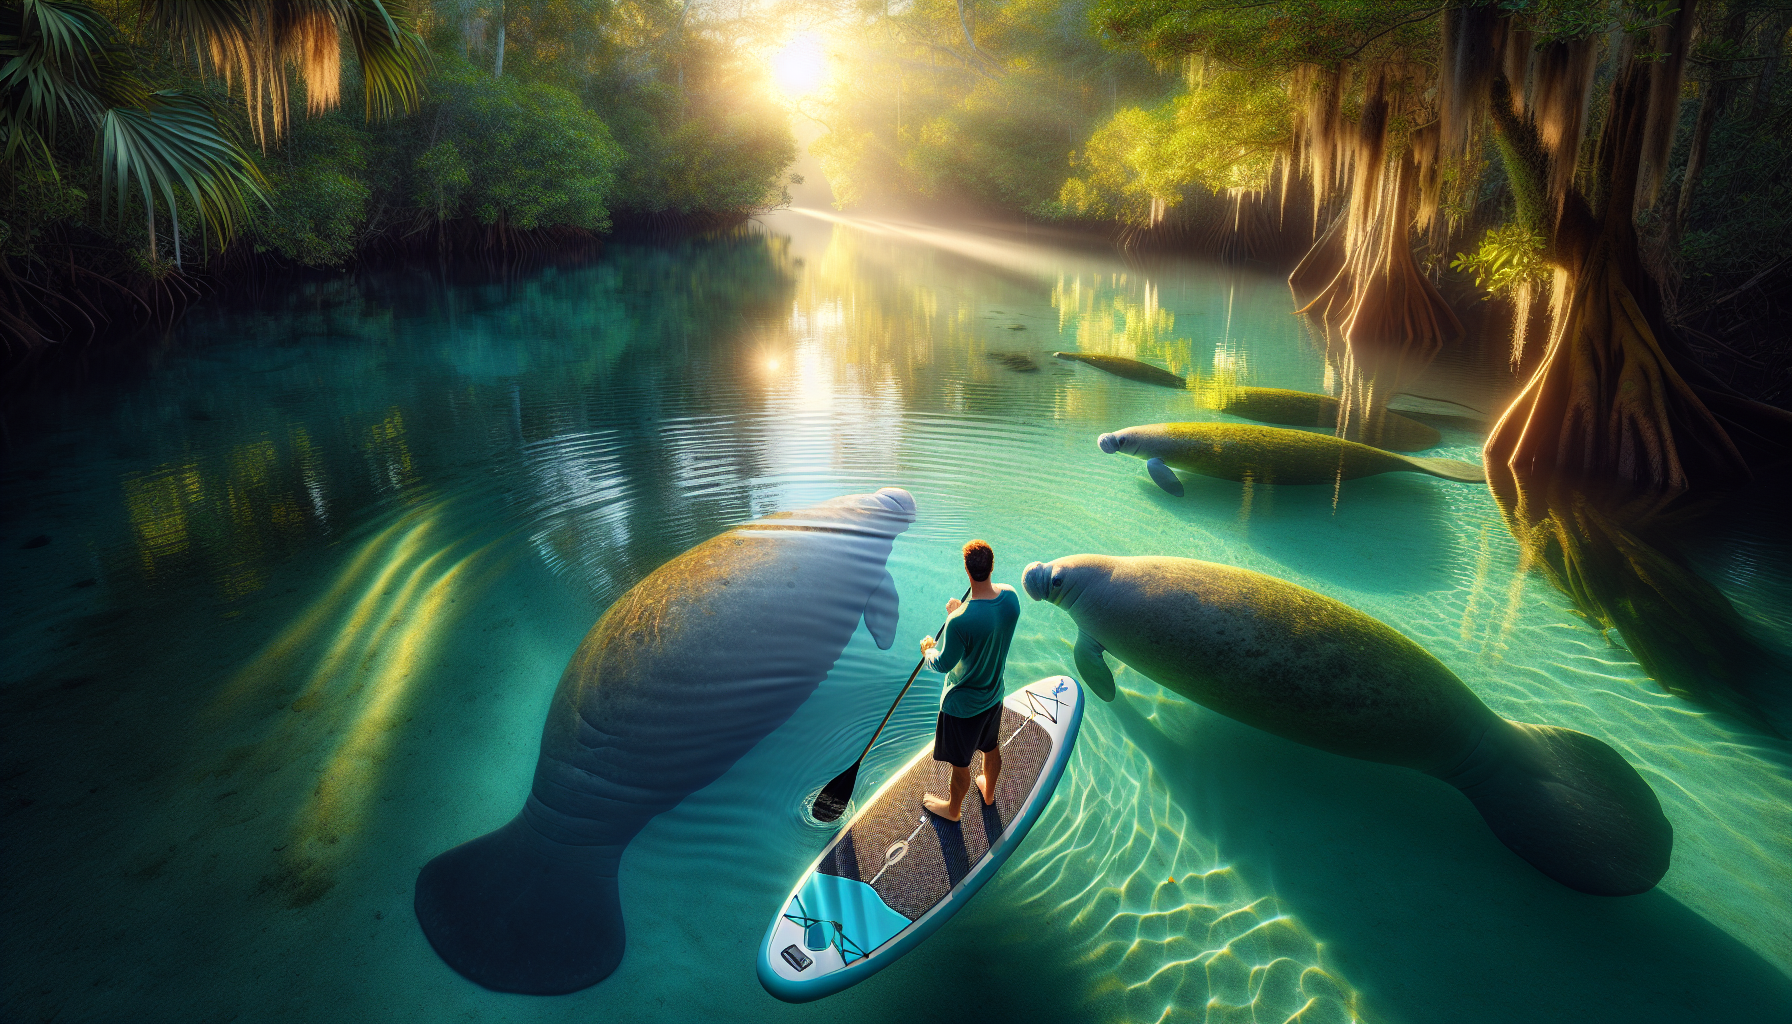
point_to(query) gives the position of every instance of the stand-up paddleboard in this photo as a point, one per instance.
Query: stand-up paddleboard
(895, 873)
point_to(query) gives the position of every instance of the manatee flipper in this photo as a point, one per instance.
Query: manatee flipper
(1570, 805)
(881, 612)
(1164, 476)
(1093, 666)
(1449, 469)
(518, 913)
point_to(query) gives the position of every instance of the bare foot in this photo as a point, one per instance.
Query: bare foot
(983, 787)
(940, 806)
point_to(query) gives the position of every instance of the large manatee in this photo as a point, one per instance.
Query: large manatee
(678, 679)
(1303, 666)
(1270, 455)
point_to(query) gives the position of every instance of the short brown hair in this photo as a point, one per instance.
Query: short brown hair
(979, 559)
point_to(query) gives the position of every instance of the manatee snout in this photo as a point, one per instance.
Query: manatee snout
(1037, 579)
(896, 500)
(1108, 443)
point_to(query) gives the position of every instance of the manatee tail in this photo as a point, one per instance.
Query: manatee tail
(1449, 469)
(517, 912)
(1570, 805)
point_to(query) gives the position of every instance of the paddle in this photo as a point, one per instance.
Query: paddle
(831, 802)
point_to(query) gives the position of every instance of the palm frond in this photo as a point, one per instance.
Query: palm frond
(58, 59)
(252, 42)
(174, 146)
(391, 53)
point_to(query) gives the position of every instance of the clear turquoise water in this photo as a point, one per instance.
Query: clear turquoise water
(313, 574)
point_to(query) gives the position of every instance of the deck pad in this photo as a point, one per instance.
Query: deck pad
(895, 873)
(940, 853)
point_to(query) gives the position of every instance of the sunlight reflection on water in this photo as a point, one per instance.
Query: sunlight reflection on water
(313, 581)
(1155, 913)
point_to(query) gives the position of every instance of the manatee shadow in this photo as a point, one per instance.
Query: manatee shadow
(1390, 528)
(1421, 907)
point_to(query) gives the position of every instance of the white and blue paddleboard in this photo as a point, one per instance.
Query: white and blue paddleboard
(895, 873)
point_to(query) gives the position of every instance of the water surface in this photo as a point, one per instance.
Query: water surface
(311, 578)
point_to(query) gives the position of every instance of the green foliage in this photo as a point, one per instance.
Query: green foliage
(1224, 135)
(926, 105)
(1509, 256)
(173, 142)
(500, 149)
(1273, 37)
(701, 150)
(109, 113)
(65, 70)
(319, 192)
(996, 146)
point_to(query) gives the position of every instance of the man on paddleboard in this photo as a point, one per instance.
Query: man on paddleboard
(972, 654)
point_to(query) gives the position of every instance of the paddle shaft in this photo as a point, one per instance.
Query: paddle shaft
(905, 686)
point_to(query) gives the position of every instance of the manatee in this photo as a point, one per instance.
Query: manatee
(1300, 665)
(1271, 455)
(1384, 429)
(1019, 362)
(680, 677)
(1131, 369)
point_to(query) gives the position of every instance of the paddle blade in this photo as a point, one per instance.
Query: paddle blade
(831, 802)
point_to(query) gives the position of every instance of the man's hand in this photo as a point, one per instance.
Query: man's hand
(952, 605)
(926, 644)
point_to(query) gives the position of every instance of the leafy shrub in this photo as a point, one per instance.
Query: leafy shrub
(318, 193)
(499, 149)
(1509, 256)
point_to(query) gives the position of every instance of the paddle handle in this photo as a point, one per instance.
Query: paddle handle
(911, 681)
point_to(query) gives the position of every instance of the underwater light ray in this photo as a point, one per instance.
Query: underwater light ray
(413, 620)
(366, 609)
(383, 670)
(264, 668)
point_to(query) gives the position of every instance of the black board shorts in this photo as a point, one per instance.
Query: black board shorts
(955, 739)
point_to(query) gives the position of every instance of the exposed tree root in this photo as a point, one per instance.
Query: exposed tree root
(1316, 271)
(1607, 405)
(1382, 318)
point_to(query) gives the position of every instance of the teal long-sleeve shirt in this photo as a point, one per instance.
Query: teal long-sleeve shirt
(974, 651)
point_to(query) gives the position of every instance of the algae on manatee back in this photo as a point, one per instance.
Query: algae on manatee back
(1380, 427)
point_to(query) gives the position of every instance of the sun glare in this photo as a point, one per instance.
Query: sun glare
(799, 67)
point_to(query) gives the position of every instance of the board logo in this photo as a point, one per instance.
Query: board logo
(796, 958)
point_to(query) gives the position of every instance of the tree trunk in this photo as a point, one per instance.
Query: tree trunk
(498, 65)
(1773, 41)
(1711, 107)
(1606, 406)
(1391, 319)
